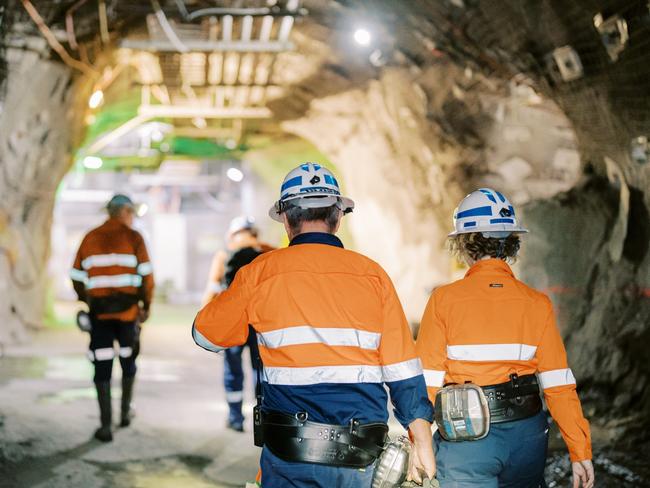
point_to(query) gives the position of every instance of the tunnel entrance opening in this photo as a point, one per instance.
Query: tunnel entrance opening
(414, 107)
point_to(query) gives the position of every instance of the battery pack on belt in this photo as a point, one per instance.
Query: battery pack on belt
(514, 400)
(293, 438)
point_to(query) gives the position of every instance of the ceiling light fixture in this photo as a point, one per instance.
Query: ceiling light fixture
(96, 99)
(92, 162)
(362, 37)
(235, 174)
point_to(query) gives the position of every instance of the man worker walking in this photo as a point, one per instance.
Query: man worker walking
(331, 332)
(113, 275)
(243, 247)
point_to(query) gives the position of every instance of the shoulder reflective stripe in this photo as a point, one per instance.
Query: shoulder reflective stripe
(104, 354)
(145, 269)
(234, 396)
(402, 371)
(78, 275)
(491, 352)
(101, 260)
(323, 374)
(305, 334)
(434, 377)
(114, 281)
(556, 377)
(475, 212)
(126, 352)
(204, 343)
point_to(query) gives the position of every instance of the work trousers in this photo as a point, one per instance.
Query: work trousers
(103, 335)
(277, 473)
(512, 455)
(233, 375)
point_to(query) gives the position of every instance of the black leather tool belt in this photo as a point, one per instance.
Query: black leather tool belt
(114, 303)
(514, 400)
(293, 438)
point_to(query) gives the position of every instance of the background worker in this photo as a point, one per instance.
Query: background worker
(113, 275)
(494, 331)
(243, 247)
(331, 332)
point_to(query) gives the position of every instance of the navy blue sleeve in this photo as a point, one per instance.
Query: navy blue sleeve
(410, 400)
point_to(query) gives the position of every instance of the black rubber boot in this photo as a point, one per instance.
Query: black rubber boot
(104, 433)
(127, 395)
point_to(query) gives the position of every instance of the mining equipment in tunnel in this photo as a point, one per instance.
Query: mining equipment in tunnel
(416, 103)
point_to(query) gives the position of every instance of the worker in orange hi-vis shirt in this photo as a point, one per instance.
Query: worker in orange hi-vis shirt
(113, 275)
(493, 343)
(331, 333)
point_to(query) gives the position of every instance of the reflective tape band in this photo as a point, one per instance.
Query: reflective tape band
(234, 396)
(114, 281)
(91, 356)
(126, 352)
(104, 354)
(323, 374)
(205, 343)
(401, 371)
(556, 377)
(434, 377)
(491, 352)
(78, 275)
(102, 260)
(145, 269)
(332, 336)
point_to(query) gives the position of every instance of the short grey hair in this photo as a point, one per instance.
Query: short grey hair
(296, 216)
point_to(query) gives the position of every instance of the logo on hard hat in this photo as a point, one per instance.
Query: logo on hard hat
(505, 212)
(315, 179)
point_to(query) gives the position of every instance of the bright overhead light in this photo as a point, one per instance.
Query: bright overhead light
(235, 175)
(230, 144)
(362, 37)
(199, 122)
(142, 209)
(93, 162)
(96, 99)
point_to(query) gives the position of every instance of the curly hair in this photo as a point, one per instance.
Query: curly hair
(476, 246)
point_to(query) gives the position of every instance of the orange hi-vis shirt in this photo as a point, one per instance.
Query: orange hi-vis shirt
(113, 259)
(331, 332)
(489, 325)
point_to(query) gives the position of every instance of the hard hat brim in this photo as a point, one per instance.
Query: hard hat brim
(515, 230)
(347, 204)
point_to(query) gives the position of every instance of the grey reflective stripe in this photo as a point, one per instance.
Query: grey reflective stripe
(145, 269)
(102, 260)
(114, 281)
(402, 371)
(234, 396)
(203, 342)
(104, 354)
(332, 336)
(126, 352)
(78, 275)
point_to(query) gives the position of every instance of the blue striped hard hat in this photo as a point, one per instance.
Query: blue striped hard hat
(488, 211)
(310, 185)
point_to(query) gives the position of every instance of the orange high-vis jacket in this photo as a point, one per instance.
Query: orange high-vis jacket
(112, 259)
(489, 325)
(331, 331)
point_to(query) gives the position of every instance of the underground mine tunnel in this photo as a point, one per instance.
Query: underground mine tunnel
(198, 108)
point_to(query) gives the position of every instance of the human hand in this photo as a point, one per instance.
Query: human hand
(583, 474)
(422, 458)
(143, 315)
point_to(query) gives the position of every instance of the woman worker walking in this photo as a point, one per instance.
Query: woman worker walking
(492, 330)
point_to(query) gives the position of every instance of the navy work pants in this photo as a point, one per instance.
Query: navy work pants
(513, 455)
(103, 336)
(277, 473)
(233, 376)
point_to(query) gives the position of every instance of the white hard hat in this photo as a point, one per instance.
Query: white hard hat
(238, 224)
(310, 185)
(487, 211)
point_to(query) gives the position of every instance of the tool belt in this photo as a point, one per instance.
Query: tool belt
(514, 400)
(115, 303)
(293, 438)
